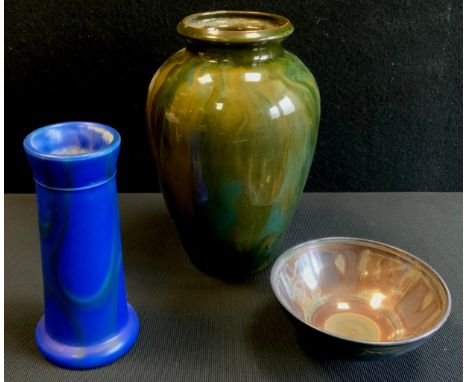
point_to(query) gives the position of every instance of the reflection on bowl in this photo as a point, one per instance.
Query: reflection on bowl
(360, 297)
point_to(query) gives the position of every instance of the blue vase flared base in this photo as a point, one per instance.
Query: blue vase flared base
(86, 357)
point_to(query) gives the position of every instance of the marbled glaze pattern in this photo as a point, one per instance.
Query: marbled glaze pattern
(233, 129)
(377, 296)
(87, 321)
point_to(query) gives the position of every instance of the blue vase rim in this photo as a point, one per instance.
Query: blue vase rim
(113, 145)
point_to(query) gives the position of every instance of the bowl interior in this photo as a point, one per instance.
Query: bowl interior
(360, 290)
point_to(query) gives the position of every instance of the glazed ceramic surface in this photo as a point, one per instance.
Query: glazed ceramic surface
(376, 298)
(87, 321)
(233, 121)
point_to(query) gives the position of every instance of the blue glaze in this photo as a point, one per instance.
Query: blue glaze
(98, 146)
(87, 321)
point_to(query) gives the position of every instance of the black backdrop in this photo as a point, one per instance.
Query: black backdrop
(390, 75)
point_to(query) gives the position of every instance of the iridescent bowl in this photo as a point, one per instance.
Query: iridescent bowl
(359, 298)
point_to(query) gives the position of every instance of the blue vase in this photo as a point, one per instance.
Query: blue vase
(87, 321)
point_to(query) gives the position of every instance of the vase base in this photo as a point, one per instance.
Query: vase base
(86, 357)
(228, 273)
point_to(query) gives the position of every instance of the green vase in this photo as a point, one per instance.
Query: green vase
(233, 121)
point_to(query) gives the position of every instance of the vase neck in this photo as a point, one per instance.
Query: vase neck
(73, 155)
(236, 52)
(238, 36)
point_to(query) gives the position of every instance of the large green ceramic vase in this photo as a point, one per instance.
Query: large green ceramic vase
(233, 121)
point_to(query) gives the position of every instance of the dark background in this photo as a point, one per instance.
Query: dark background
(389, 72)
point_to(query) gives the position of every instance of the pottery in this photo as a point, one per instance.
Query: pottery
(359, 298)
(233, 121)
(87, 321)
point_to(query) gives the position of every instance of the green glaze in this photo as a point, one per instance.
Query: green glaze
(233, 121)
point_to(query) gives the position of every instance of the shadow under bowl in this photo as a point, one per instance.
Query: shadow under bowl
(359, 298)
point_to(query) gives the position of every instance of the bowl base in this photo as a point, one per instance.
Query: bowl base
(355, 319)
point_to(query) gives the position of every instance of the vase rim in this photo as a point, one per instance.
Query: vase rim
(234, 27)
(41, 142)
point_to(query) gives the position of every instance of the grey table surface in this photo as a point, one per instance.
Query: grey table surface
(197, 328)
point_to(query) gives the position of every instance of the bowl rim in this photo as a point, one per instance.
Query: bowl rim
(281, 260)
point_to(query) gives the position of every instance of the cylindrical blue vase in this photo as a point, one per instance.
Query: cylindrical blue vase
(87, 321)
